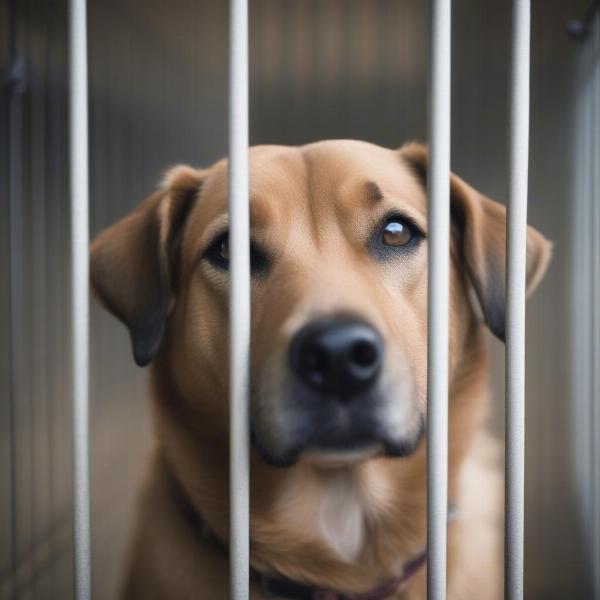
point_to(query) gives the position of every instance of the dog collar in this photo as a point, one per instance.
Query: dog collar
(276, 587)
(281, 587)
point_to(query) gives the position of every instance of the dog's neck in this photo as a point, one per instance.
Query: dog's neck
(338, 509)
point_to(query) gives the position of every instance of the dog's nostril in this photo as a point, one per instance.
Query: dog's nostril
(364, 353)
(314, 361)
(337, 356)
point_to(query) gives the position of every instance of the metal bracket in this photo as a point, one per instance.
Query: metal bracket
(15, 78)
(578, 29)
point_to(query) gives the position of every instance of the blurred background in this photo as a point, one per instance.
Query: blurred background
(319, 69)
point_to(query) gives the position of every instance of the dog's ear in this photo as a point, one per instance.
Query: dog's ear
(133, 265)
(480, 224)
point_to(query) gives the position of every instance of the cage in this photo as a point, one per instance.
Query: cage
(158, 90)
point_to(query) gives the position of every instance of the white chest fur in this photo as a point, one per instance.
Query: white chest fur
(341, 514)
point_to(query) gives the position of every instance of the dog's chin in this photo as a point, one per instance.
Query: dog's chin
(332, 458)
(320, 457)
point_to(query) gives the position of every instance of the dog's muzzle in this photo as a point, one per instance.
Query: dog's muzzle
(335, 404)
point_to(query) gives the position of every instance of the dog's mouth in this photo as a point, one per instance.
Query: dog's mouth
(325, 444)
(344, 441)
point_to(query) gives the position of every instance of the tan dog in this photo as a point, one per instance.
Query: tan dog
(338, 373)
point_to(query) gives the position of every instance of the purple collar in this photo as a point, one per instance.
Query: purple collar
(281, 587)
(276, 587)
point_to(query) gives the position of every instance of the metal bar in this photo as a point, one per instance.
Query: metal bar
(594, 126)
(15, 330)
(516, 252)
(79, 182)
(239, 308)
(438, 281)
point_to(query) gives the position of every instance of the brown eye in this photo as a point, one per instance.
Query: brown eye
(218, 254)
(224, 249)
(397, 233)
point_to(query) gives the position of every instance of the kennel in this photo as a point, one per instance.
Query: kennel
(565, 74)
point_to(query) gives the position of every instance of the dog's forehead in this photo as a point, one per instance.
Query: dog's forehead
(337, 176)
(352, 172)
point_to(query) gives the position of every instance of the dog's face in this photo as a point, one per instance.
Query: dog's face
(338, 262)
(339, 293)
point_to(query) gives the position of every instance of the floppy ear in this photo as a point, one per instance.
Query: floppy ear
(133, 262)
(480, 224)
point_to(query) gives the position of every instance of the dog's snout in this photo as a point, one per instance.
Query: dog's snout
(338, 356)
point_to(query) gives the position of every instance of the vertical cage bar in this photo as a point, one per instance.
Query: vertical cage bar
(516, 250)
(80, 292)
(595, 193)
(438, 281)
(239, 315)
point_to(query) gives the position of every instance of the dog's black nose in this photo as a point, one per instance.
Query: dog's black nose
(339, 356)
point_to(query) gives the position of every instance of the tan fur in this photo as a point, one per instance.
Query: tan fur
(313, 207)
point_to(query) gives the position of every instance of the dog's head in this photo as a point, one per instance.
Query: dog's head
(339, 292)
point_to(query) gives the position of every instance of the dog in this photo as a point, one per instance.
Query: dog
(337, 375)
